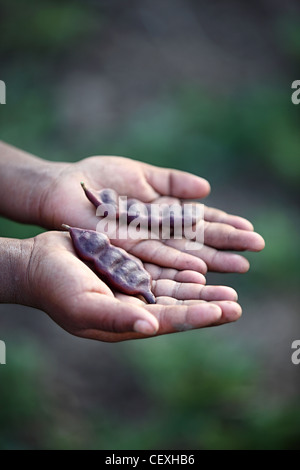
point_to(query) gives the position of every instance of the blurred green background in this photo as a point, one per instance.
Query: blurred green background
(200, 86)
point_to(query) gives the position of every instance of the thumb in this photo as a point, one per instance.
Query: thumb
(101, 312)
(176, 183)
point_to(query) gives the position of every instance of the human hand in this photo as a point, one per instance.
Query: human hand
(57, 282)
(62, 201)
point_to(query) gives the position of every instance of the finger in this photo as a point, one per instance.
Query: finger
(176, 183)
(231, 311)
(226, 237)
(224, 262)
(179, 315)
(155, 252)
(157, 272)
(215, 260)
(99, 312)
(185, 316)
(216, 215)
(172, 318)
(190, 291)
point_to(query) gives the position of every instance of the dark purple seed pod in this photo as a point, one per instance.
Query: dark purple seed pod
(136, 208)
(181, 216)
(107, 197)
(120, 270)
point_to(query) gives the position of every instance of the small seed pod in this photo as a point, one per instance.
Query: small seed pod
(120, 270)
(107, 197)
(135, 208)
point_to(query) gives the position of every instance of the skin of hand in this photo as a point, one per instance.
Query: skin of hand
(53, 279)
(46, 193)
(63, 201)
(56, 281)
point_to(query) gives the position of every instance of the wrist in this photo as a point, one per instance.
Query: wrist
(15, 258)
(24, 184)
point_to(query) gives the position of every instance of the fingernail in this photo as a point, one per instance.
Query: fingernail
(144, 327)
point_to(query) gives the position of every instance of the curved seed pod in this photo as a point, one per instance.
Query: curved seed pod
(105, 196)
(119, 269)
(187, 215)
(136, 208)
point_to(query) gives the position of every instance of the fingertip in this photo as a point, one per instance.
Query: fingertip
(244, 224)
(196, 187)
(197, 278)
(243, 265)
(238, 222)
(238, 311)
(145, 327)
(114, 315)
(215, 312)
(206, 187)
(193, 263)
(249, 225)
(190, 276)
(258, 242)
(234, 311)
(231, 294)
(204, 268)
(235, 295)
(231, 312)
(145, 322)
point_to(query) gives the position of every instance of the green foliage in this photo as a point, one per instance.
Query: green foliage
(28, 120)
(279, 263)
(253, 131)
(11, 229)
(20, 397)
(205, 391)
(202, 392)
(43, 27)
(288, 36)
